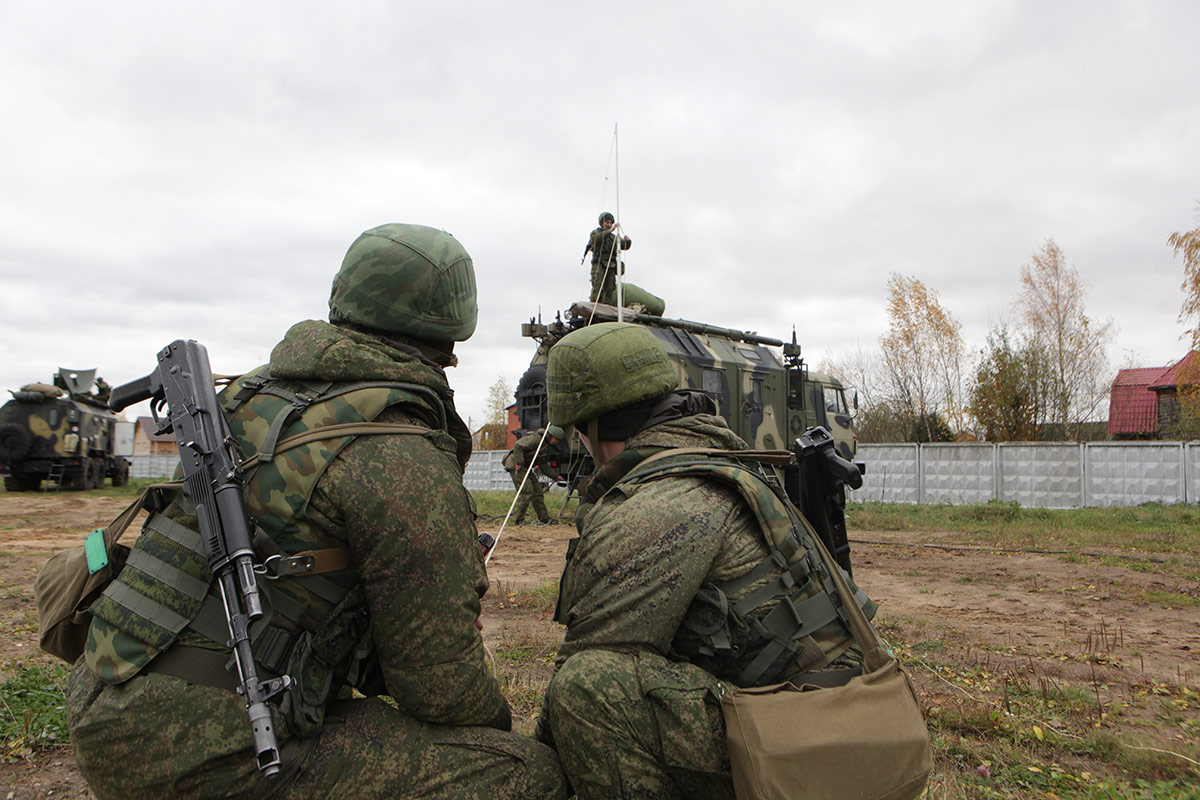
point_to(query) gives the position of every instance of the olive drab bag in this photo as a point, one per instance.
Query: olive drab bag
(72, 579)
(865, 739)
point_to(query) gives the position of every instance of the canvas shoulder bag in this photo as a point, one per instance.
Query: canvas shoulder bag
(72, 579)
(865, 739)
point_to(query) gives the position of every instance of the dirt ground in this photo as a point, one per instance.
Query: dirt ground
(1018, 611)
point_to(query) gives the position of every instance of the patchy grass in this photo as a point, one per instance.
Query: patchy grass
(1007, 727)
(1136, 530)
(495, 505)
(34, 710)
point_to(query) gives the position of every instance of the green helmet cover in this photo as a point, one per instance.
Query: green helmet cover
(555, 432)
(603, 367)
(606, 216)
(408, 279)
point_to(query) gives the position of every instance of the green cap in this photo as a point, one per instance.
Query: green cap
(409, 279)
(603, 367)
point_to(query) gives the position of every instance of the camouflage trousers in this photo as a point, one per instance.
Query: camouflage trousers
(157, 736)
(637, 726)
(604, 284)
(532, 493)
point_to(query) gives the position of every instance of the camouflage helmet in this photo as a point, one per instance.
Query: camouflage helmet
(408, 279)
(554, 432)
(604, 367)
(607, 215)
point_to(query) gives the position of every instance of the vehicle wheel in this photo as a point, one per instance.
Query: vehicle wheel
(121, 473)
(95, 474)
(14, 441)
(30, 483)
(12, 485)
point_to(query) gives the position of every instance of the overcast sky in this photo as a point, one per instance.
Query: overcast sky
(197, 170)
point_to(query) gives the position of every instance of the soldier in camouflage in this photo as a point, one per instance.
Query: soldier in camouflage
(603, 244)
(519, 464)
(665, 588)
(151, 707)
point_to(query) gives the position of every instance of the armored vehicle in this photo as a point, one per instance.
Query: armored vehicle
(769, 401)
(63, 432)
(772, 401)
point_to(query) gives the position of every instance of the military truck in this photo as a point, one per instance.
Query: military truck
(770, 400)
(63, 432)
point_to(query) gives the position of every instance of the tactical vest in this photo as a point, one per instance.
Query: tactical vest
(803, 628)
(316, 628)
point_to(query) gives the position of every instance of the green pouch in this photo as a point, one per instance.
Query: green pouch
(72, 579)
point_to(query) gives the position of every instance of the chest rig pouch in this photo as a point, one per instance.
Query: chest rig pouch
(781, 617)
(163, 612)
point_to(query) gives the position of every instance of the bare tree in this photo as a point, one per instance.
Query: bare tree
(860, 370)
(1050, 307)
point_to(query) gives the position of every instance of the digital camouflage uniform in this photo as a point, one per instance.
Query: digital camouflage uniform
(602, 245)
(634, 708)
(518, 463)
(398, 624)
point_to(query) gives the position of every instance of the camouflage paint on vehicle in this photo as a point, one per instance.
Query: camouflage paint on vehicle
(768, 398)
(63, 431)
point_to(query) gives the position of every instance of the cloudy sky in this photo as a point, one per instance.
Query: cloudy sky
(197, 170)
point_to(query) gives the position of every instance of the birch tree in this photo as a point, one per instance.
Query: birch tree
(1051, 307)
(923, 358)
(1187, 245)
(494, 433)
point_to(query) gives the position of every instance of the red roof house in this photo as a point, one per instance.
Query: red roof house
(1134, 403)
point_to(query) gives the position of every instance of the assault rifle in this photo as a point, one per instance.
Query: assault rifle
(212, 479)
(818, 488)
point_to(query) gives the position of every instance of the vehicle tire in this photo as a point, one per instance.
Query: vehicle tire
(120, 473)
(95, 473)
(532, 387)
(14, 442)
(12, 485)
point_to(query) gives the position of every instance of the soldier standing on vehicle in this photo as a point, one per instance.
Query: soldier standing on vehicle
(519, 463)
(604, 243)
(652, 585)
(155, 714)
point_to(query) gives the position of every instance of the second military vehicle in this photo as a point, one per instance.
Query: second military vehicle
(767, 400)
(770, 400)
(63, 432)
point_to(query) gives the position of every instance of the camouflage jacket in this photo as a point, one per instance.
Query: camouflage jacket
(648, 553)
(602, 245)
(522, 452)
(396, 502)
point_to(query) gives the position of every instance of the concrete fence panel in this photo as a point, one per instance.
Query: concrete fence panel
(958, 474)
(1132, 473)
(893, 474)
(1041, 474)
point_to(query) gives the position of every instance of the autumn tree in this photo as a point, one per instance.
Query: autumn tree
(1187, 245)
(494, 433)
(1186, 425)
(923, 360)
(1008, 398)
(1051, 312)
